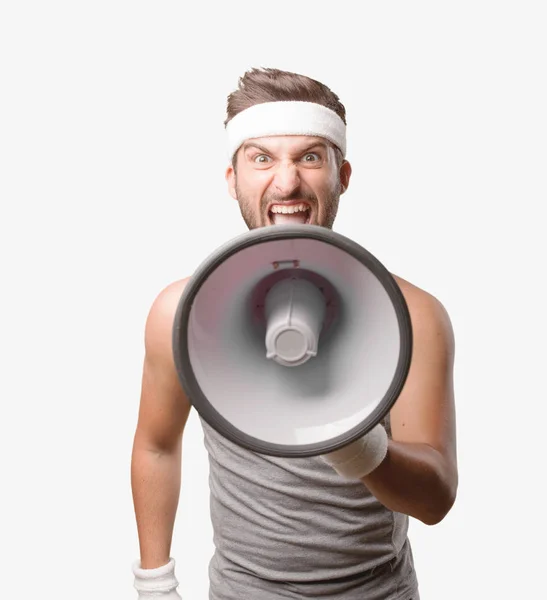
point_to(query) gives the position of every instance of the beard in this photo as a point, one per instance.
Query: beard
(325, 214)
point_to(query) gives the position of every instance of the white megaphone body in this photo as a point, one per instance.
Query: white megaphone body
(292, 340)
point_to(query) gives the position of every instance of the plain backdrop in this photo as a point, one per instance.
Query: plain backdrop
(112, 159)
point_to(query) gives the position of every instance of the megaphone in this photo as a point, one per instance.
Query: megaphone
(292, 340)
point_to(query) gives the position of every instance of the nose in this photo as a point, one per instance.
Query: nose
(287, 178)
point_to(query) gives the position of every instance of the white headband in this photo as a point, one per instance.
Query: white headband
(285, 118)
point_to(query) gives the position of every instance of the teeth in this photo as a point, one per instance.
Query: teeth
(289, 210)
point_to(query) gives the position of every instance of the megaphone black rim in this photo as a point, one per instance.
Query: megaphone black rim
(262, 235)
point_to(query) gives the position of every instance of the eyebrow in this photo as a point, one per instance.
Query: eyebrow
(248, 145)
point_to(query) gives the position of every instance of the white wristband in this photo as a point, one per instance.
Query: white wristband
(160, 580)
(361, 457)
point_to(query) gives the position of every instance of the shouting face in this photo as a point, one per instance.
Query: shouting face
(288, 179)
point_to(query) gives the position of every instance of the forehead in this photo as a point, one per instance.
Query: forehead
(285, 143)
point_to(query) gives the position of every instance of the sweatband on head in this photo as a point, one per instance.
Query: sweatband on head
(285, 117)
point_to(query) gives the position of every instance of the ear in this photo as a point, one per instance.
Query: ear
(231, 180)
(345, 175)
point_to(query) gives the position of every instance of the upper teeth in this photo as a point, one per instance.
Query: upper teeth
(278, 208)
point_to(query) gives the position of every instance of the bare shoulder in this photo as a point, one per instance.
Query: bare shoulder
(427, 312)
(414, 294)
(159, 323)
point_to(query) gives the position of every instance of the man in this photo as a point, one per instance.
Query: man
(322, 527)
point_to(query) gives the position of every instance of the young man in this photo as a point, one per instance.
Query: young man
(324, 527)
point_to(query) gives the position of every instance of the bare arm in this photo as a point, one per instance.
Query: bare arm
(419, 475)
(157, 447)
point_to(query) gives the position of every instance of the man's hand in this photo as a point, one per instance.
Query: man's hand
(361, 457)
(156, 584)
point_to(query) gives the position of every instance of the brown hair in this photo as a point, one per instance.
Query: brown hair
(270, 85)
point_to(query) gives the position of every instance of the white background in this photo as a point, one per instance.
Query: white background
(112, 185)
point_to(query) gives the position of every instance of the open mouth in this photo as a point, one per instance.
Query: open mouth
(297, 213)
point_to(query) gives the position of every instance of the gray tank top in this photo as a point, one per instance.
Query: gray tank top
(293, 528)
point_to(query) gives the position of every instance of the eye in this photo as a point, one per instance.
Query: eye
(311, 157)
(262, 159)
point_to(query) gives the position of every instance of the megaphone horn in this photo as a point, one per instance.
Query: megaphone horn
(292, 340)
